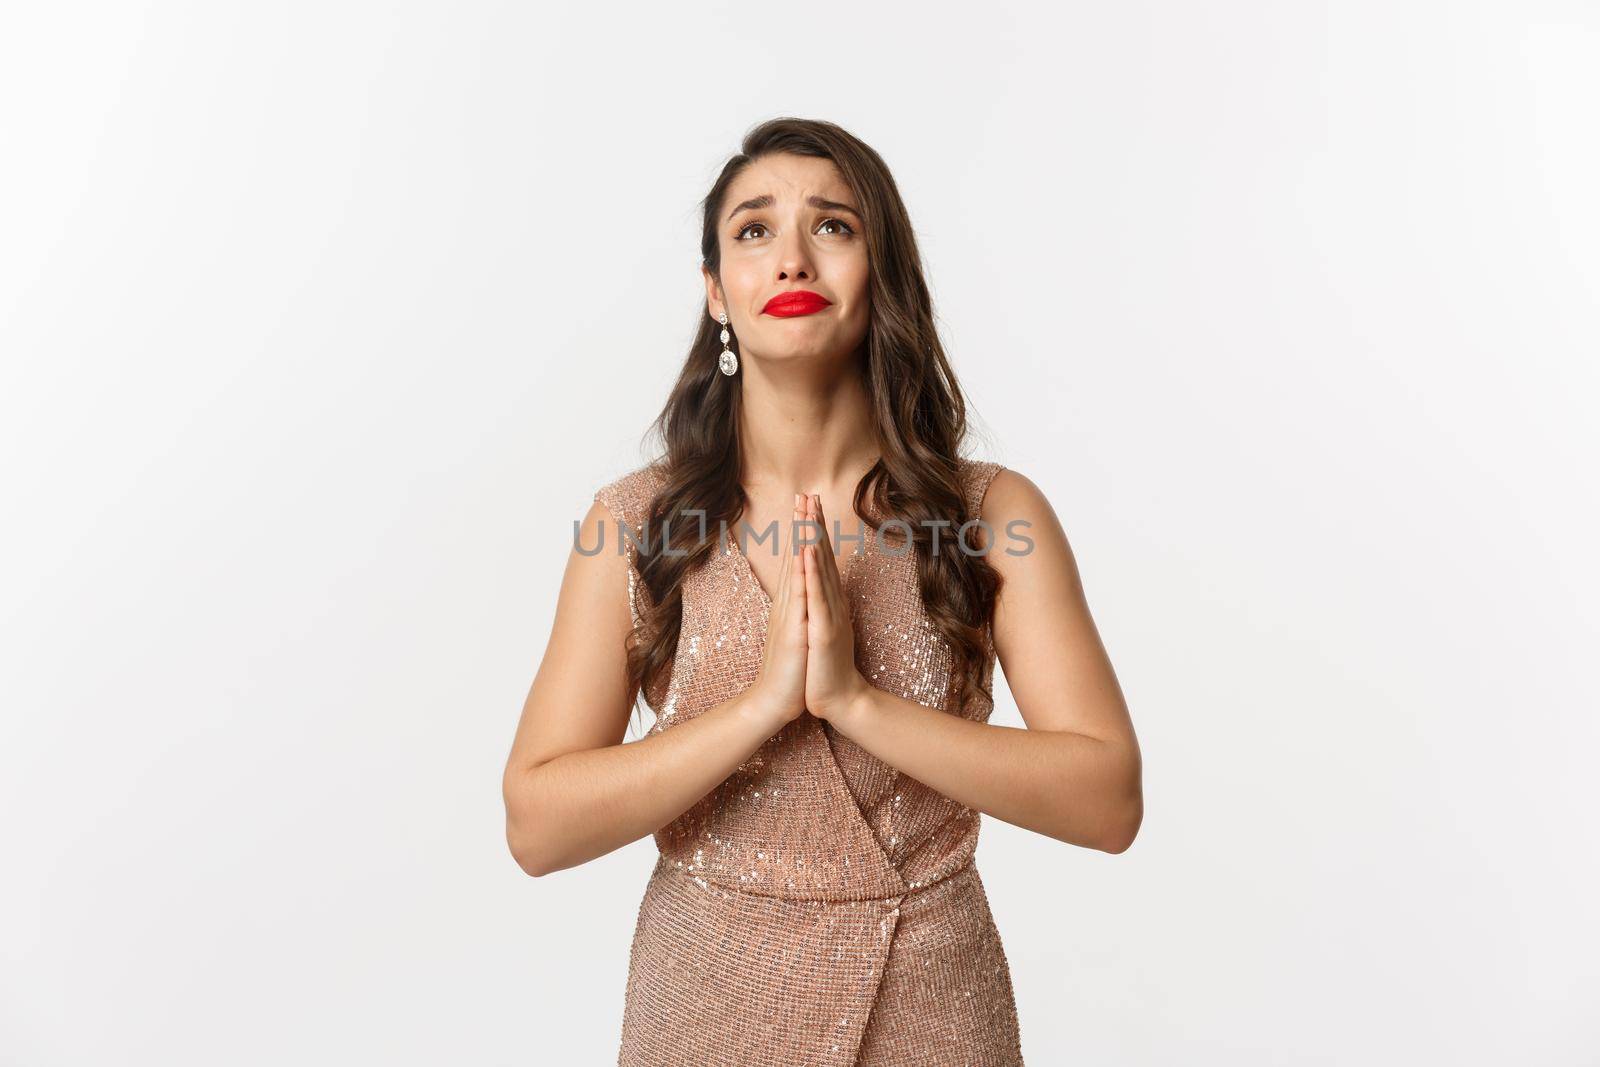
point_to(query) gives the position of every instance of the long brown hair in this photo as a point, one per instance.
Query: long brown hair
(918, 410)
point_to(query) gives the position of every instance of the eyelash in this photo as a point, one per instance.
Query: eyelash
(740, 235)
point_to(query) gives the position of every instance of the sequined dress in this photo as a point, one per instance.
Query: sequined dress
(818, 907)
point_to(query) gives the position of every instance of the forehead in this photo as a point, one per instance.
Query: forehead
(789, 178)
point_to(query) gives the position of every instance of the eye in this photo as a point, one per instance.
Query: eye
(747, 227)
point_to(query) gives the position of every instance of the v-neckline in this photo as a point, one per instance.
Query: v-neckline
(846, 569)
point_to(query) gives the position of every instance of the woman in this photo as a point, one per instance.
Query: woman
(820, 754)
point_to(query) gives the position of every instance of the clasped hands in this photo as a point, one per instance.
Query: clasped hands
(809, 660)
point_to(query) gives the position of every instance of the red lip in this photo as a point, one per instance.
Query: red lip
(797, 302)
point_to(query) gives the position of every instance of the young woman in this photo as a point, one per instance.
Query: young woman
(820, 754)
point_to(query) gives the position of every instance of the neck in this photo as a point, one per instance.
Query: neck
(805, 429)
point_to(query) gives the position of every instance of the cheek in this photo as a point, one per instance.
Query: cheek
(853, 287)
(740, 284)
(860, 296)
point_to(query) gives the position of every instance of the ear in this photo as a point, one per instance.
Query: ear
(714, 302)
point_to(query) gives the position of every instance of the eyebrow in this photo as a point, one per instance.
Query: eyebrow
(756, 203)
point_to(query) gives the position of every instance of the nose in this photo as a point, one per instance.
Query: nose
(794, 262)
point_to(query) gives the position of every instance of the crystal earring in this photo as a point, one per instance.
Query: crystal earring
(728, 363)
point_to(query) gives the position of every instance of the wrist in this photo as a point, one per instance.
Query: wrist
(756, 707)
(855, 707)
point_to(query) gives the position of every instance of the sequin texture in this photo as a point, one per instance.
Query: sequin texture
(818, 907)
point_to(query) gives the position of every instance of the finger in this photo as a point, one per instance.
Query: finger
(817, 593)
(803, 530)
(826, 542)
(797, 571)
(824, 603)
(834, 586)
(819, 588)
(807, 533)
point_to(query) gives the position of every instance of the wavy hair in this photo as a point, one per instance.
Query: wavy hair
(918, 410)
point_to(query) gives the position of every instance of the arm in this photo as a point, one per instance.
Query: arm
(1075, 773)
(573, 790)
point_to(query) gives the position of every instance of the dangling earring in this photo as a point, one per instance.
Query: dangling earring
(728, 363)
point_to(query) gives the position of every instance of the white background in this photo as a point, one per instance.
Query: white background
(322, 322)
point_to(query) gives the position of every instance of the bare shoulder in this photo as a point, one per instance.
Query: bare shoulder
(1010, 490)
(627, 497)
(1030, 543)
(598, 547)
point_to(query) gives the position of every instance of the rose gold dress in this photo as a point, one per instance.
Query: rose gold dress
(818, 907)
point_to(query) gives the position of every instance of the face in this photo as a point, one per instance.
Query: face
(794, 262)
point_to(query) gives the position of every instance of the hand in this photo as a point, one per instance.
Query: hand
(780, 685)
(832, 682)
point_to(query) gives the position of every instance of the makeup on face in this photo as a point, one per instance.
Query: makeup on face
(796, 302)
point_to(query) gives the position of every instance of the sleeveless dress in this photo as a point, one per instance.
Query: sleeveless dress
(818, 907)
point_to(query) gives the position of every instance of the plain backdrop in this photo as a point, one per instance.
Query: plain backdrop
(321, 323)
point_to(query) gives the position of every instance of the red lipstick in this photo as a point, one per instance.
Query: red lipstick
(796, 302)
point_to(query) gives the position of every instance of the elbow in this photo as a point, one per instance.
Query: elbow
(1122, 840)
(522, 832)
(1124, 827)
(531, 852)
(524, 848)
(534, 870)
(529, 858)
(1125, 812)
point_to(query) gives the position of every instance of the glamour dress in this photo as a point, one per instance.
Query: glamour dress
(818, 907)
